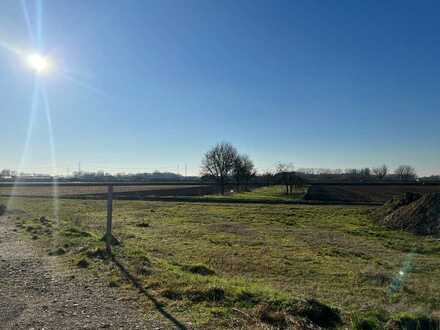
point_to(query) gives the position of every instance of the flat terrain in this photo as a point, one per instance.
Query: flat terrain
(221, 265)
(37, 293)
(134, 191)
(270, 193)
(364, 193)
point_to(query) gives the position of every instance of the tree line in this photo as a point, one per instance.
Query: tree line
(224, 164)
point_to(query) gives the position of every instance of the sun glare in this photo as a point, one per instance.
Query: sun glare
(38, 63)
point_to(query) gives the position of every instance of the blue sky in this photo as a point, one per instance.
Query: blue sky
(144, 85)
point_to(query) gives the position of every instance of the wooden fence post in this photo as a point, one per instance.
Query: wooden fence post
(108, 234)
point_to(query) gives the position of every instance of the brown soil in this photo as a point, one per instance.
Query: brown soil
(364, 192)
(421, 217)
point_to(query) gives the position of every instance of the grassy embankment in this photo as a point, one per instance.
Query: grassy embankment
(235, 265)
(269, 193)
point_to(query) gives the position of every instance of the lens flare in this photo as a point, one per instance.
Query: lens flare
(38, 63)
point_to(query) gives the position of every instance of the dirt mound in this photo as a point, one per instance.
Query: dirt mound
(421, 217)
(396, 203)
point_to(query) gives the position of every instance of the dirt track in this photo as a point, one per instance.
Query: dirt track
(35, 295)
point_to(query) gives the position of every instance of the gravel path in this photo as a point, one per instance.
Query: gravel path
(33, 295)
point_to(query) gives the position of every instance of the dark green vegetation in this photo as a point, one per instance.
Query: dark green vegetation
(236, 265)
(374, 193)
(269, 193)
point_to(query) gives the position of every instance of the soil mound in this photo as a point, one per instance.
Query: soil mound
(396, 203)
(421, 217)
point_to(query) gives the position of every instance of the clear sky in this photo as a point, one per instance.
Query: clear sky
(144, 85)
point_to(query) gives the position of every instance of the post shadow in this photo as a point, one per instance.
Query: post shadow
(137, 284)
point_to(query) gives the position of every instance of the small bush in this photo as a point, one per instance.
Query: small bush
(413, 322)
(369, 323)
(171, 294)
(199, 269)
(318, 313)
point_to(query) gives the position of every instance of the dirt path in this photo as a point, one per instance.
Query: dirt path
(33, 295)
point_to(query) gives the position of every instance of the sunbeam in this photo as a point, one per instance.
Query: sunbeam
(39, 10)
(32, 115)
(81, 83)
(11, 49)
(27, 20)
(47, 111)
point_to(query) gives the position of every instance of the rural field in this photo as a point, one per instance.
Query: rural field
(195, 264)
(100, 190)
(370, 193)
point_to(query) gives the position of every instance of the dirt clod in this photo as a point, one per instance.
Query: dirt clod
(83, 263)
(199, 269)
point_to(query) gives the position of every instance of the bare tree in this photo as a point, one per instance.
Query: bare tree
(405, 172)
(243, 171)
(219, 162)
(282, 173)
(380, 172)
(267, 177)
(287, 176)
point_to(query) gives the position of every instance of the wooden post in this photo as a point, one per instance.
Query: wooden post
(108, 234)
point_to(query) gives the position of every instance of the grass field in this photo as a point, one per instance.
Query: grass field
(269, 193)
(236, 265)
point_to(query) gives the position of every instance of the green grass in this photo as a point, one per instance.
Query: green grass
(269, 193)
(216, 265)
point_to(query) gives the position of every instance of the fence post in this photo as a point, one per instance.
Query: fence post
(108, 234)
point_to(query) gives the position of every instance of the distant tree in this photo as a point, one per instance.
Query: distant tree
(243, 170)
(352, 173)
(288, 177)
(268, 177)
(380, 172)
(219, 162)
(365, 173)
(283, 173)
(405, 172)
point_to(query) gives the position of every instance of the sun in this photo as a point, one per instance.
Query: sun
(38, 63)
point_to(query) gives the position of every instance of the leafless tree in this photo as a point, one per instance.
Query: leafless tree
(267, 177)
(219, 162)
(283, 173)
(380, 172)
(405, 172)
(287, 176)
(243, 171)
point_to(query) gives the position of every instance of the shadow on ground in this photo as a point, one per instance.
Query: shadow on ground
(137, 284)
